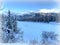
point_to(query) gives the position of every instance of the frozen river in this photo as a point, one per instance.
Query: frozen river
(33, 30)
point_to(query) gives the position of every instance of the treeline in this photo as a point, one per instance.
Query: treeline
(37, 17)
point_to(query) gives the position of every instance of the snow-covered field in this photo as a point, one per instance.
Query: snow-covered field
(14, 44)
(33, 30)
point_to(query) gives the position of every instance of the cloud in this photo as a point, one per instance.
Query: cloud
(58, 2)
(28, 0)
(0, 6)
(43, 11)
(0, 3)
(40, 1)
(49, 10)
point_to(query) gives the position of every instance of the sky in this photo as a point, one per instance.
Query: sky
(28, 5)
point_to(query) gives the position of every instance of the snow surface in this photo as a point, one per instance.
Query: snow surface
(33, 30)
(13, 43)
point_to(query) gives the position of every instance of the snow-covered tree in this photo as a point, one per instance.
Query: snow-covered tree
(11, 33)
(49, 37)
(33, 42)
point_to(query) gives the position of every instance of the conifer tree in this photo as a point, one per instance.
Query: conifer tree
(10, 31)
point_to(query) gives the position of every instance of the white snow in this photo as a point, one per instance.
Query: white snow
(33, 30)
(13, 43)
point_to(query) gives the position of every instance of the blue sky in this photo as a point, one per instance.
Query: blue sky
(22, 6)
